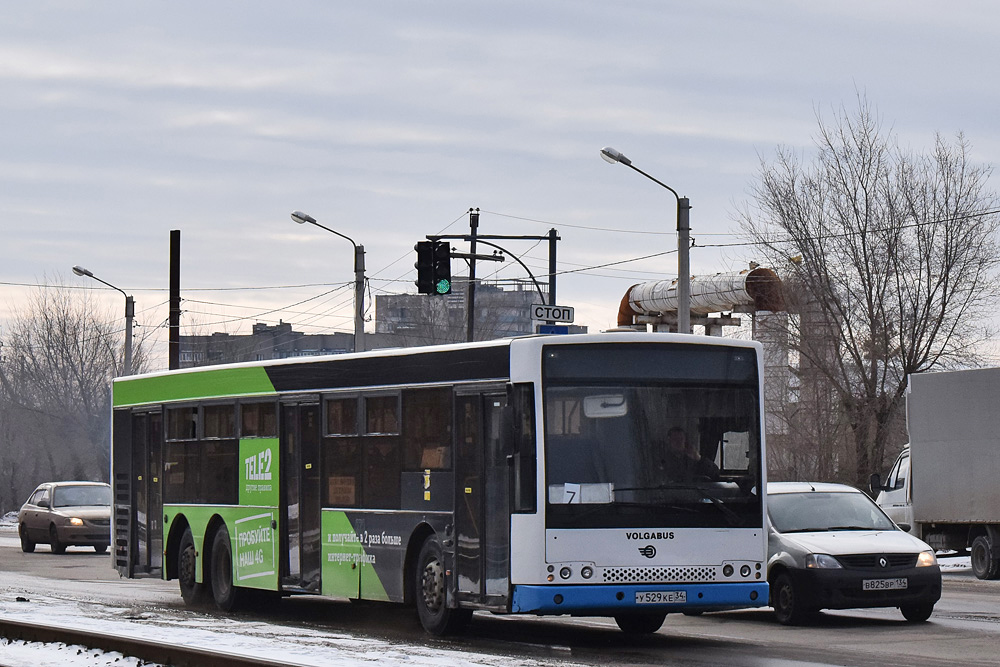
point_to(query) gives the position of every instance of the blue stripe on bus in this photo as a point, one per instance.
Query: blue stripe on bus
(599, 599)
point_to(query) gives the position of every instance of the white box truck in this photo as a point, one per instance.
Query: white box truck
(945, 486)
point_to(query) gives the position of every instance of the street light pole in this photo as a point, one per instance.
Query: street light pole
(129, 315)
(683, 241)
(359, 278)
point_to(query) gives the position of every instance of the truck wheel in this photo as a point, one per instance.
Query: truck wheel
(984, 559)
(429, 592)
(640, 624)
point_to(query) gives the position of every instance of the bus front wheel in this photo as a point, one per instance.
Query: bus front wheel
(187, 564)
(640, 623)
(429, 592)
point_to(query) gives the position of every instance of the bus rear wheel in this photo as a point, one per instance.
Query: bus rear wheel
(641, 623)
(228, 597)
(429, 592)
(187, 564)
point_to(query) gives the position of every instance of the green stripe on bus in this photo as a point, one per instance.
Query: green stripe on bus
(189, 386)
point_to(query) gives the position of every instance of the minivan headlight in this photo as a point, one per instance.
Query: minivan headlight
(926, 559)
(821, 562)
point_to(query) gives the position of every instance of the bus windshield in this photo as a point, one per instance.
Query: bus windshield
(659, 435)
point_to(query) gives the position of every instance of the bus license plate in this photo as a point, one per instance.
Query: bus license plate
(883, 584)
(661, 597)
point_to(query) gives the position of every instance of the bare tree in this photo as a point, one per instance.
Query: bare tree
(889, 258)
(59, 355)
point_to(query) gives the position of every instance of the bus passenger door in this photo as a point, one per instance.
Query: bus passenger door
(147, 448)
(482, 510)
(300, 495)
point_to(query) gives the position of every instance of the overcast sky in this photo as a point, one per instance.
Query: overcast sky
(387, 121)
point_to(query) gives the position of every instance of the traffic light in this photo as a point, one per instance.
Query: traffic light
(442, 267)
(425, 267)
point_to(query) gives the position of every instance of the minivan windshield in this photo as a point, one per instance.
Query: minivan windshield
(79, 496)
(814, 512)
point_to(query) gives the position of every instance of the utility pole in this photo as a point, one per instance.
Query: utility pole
(174, 323)
(470, 317)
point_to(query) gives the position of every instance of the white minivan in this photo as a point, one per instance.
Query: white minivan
(831, 547)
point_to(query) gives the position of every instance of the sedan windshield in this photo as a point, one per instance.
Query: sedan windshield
(813, 512)
(79, 496)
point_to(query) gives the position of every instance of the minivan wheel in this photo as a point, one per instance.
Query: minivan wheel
(27, 546)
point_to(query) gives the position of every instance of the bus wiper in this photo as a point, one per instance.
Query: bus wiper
(732, 517)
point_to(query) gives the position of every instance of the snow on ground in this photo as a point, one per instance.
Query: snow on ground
(308, 647)
(30, 654)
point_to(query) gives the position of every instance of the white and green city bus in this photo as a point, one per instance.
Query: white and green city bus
(521, 476)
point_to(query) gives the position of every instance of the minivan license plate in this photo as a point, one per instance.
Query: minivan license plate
(883, 584)
(661, 597)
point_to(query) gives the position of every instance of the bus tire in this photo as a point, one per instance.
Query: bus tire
(27, 546)
(227, 596)
(429, 592)
(187, 564)
(643, 623)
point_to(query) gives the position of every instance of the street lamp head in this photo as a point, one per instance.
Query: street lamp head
(80, 271)
(302, 218)
(611, 155)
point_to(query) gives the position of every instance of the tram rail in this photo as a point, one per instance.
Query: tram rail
(149, 650)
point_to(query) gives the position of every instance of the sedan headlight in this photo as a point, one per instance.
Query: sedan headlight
(75, 521)
(926, 559)
(821, 561)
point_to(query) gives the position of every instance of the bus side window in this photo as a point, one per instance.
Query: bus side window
(181, 466)
(219, 455)
(381, 454)
(427, 429)
(341, 453)
(521, 412)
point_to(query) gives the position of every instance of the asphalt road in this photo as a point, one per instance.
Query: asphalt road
(965, 628)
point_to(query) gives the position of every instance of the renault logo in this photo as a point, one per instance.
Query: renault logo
(883, 562)
(648, 551)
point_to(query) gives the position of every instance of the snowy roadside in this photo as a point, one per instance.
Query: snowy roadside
(307, 647)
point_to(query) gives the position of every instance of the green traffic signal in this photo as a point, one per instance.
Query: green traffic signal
(443, 286)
